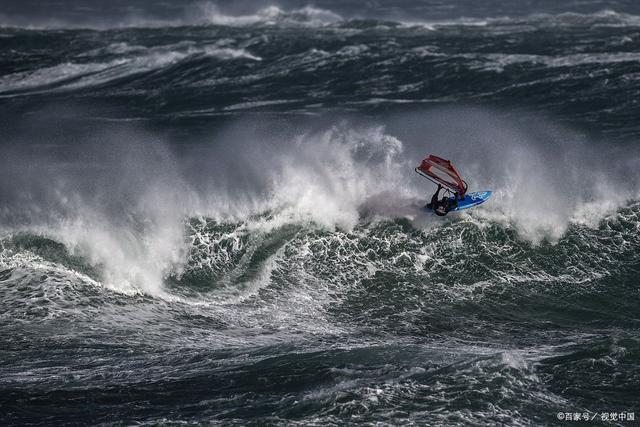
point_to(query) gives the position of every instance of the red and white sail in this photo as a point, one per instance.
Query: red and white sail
(443, 172)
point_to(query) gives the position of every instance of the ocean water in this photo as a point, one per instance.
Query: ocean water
(208, 213)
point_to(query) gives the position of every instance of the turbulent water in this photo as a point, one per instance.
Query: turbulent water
(210, 214)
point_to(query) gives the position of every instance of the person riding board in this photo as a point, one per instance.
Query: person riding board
(443, 206)
(442, 172)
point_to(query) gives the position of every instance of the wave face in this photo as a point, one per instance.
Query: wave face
(208, 214)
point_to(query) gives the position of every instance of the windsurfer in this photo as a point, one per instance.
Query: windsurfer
(443, 206)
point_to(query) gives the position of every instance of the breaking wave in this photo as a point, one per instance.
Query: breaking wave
(272, 15)
(126, 210)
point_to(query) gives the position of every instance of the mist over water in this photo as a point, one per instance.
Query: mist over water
(208, 212)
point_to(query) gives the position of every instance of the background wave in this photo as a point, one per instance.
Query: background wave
(580, 67)
(155, 14)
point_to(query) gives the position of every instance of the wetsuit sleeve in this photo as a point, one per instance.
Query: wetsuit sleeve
(434, 198)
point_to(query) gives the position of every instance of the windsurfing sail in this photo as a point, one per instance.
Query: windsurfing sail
(442, 171)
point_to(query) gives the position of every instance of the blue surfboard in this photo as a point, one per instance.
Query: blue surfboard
(472, 199)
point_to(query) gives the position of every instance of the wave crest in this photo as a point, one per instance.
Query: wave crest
(271, 15)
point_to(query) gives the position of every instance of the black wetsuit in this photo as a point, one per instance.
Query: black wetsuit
(434, 199)
(442, 207)
(454, 202)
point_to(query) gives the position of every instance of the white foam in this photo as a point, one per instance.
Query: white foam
(137, 60)
(328, 179)
(271, 15)
(209, 13)
(51, 75)
(434, 25)
(604, 18)
(497, 62)
(541, 183)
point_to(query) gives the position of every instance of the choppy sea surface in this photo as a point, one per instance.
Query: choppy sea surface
(210, 215)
